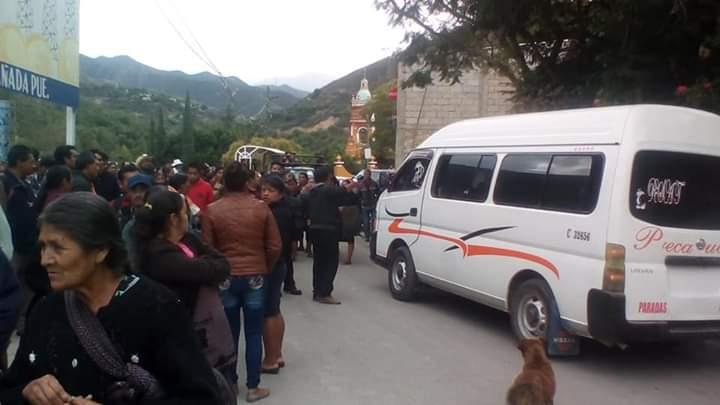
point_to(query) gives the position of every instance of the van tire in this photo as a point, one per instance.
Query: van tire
(530, 305)
(402, 279)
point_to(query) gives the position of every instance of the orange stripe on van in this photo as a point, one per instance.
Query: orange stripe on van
(395, 228)
(474, 250)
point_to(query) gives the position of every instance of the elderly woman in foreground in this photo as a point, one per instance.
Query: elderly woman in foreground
(103, 336)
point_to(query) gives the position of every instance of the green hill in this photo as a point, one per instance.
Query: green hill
(117, 113)
(206, 88)
(118, 121)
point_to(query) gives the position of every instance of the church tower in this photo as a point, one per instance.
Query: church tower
(360, 131)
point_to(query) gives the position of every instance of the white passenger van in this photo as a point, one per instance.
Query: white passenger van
(609, 215)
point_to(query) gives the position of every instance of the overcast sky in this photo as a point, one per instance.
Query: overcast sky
(259, 41)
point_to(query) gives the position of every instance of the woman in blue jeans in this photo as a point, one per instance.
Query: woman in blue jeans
(243, 229)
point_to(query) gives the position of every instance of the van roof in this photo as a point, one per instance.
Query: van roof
(590, 126)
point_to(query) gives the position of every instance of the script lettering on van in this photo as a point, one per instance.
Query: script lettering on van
(659, 191)
(652, 307)
(652, 236)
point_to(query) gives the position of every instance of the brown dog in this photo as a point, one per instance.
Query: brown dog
(535, 385)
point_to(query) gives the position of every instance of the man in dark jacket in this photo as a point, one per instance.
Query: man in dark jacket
(10, 301)
(66, 155)
(369, 193)
(123, 205)
(106, 183)
(86, 170)
(22, 217)
(20, 209)
(322, 204)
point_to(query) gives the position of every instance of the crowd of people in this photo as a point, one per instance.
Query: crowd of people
(130, 283)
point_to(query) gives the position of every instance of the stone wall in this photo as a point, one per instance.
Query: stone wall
(420, 112)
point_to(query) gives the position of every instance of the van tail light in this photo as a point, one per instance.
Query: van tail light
(614, 274)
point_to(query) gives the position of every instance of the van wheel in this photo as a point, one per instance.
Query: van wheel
(530, 309)
(402, 278)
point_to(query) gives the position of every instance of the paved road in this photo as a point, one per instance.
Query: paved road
(445, 350)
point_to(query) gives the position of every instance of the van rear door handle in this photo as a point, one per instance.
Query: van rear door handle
(413, 212)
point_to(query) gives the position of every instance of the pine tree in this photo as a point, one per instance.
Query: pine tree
(188, 134)
(160, 135)
(152, 139)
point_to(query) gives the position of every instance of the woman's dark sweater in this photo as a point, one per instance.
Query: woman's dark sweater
(167, 264)
(148, 326)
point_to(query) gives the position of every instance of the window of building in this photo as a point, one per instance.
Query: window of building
(363, 137)
(464, 177)
(553, 182)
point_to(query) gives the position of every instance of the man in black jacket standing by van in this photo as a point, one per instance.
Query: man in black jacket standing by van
(322, 203)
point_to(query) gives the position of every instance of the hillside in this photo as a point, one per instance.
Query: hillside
(119, 121)
(205, 88)
(333, 100)
(118, 118)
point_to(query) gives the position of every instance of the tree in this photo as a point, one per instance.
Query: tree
(382, 141)
(188, 134)
(152, 139)
(560, 53)
(161, 136)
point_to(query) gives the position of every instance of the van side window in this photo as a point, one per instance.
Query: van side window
(411, 175)
(573, 183)
(558, 182)
(464, 177)
(522, 180)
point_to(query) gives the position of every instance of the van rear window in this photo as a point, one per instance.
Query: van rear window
(678, 190)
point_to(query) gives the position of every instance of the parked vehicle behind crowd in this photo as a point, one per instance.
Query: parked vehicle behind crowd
(608, 215)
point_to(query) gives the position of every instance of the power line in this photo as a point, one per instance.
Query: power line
(182, 37)
(202, 54)
(192, 36)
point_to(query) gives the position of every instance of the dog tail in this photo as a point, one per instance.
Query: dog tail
(525, 394)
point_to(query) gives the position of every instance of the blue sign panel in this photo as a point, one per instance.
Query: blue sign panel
(30, 84)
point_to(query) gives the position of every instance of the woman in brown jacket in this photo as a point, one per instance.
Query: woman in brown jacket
(244, 230)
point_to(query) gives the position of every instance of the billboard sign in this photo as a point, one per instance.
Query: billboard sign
(39, 49)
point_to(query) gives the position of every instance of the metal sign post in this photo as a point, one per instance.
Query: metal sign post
(69, 126)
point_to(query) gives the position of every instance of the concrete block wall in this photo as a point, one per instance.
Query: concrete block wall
(421, 112)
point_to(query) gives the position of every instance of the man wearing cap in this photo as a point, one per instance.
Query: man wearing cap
(138, 187)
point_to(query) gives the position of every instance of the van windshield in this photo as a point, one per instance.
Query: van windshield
(679, 190)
